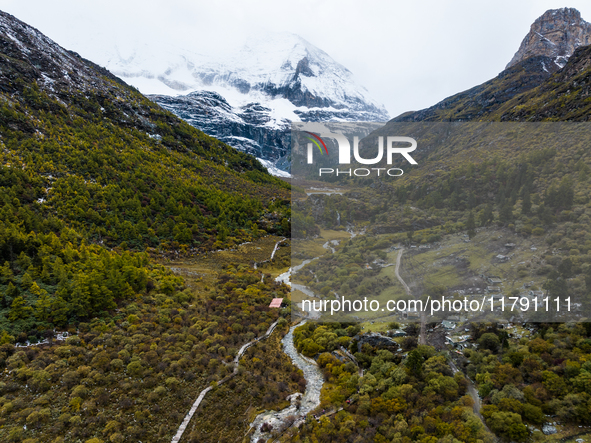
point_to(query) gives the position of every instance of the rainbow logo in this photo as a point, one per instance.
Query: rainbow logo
(316, 142)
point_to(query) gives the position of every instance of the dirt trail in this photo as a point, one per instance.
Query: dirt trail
(202, 394)
(397, 269)
(354, 360)
(473, 393)
(422, 335)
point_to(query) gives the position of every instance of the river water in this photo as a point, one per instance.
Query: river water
(314, 378)
(286, 276)
(308, 402)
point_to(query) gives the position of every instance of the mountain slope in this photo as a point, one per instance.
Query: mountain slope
(121, 159)
(553, 38)
(532, 180)
(91, 174)
(88, 164)
(478, 102)
(566, 96)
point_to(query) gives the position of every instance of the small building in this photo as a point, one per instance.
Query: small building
(276, 303)
(448, 324)
(494, 280)
(411, 312)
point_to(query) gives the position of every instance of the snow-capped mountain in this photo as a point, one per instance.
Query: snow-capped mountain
(248, 97)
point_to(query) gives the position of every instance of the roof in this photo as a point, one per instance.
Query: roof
(276, 303)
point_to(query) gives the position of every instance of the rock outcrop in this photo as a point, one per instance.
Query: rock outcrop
(377, 341)
(556, 34)
(250, 129)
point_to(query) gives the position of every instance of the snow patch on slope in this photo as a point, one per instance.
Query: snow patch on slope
(273, 170)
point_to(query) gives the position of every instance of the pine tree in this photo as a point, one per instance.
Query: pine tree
(10, 294)
(6, 338)
(59, 311)
(471, 200)
(27, 281)
(487, 216)
(222, 233)
(19, 309)
(6, 273)
(526, 203)
(471, 225)
(506, 213)
(43, 307)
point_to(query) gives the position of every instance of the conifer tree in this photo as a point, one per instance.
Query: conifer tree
(471, 225)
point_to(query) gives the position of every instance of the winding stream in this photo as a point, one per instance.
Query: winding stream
(300, 405)
(286, 276)
(308, 402)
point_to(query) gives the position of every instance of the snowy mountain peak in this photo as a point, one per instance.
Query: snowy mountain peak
(246, 95)
(266, 67)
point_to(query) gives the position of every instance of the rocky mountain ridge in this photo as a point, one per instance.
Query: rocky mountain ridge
(561, 32)
(566, 96)
(481, 100)
(555, 34)
(28, 54)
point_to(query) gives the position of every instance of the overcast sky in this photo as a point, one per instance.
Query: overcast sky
(408, 54)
